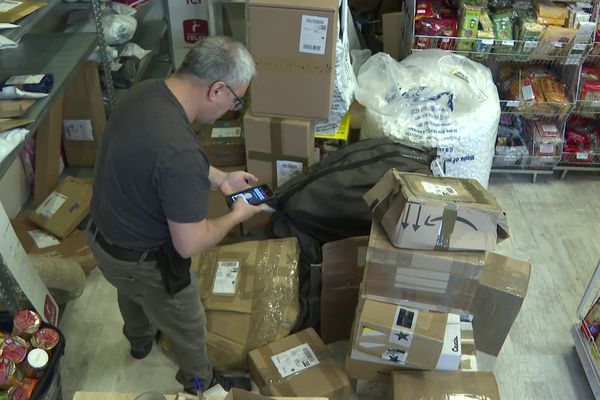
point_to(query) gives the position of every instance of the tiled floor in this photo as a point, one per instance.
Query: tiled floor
(555, 225)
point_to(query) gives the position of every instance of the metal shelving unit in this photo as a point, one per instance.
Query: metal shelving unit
(585, 346)
(30, 21)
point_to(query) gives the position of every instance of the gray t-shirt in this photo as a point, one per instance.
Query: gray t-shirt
(150, 168)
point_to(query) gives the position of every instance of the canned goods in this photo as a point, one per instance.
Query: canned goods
(26, 323)
(45, 338)
(17, 393)
(37, 361)
(15, 349)
(9, 376)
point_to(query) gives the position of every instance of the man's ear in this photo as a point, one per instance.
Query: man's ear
(216, 89)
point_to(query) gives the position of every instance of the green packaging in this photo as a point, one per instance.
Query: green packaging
(468, 27)
(529, 37)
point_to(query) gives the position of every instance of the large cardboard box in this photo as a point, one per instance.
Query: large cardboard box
(298, 365)
(416, 385)
(401, 334)
(489, 286)
(342, 272)
(64, 208)
(84, 117)
(36, 241)
(295, 73)
(223, 143)
(426, 212)
(278, 149)
(250, 295)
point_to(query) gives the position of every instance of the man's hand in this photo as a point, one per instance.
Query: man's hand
(243, 210)
(236, 182)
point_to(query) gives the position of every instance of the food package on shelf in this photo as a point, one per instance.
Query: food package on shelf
(582, 140)
(511, 148)
(555, 42)
(503, 28)
(589, 92)
(469, 24)
(529, 36)
(446, 27)
(485, 35)
(547, 139)
(549, 9)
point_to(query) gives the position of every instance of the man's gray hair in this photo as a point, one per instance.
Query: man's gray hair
(219, 58)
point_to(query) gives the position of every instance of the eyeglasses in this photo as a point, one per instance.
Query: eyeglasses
(239, 103)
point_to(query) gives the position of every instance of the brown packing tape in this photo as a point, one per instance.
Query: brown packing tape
(296, 65)
(276, 149)
(447, 227)
(283, 386)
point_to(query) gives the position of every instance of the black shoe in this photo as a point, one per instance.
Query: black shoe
(227, 382)
(140, 354)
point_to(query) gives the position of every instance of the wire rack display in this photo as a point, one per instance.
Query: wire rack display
(583, 336)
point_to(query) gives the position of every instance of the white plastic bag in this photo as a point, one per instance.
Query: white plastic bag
(345, 80)
(437, 99)
(118, 29)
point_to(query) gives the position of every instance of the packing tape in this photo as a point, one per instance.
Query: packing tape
(283, 386)
(447, 227)
(301, 66)
(276, 153)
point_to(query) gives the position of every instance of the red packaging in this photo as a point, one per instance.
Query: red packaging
(18, 393)
(446, 27)
(590, 73)
(26, 322)
(577, 140)
(15, 349)
(45, 338)
(8, 374)
(590, 91)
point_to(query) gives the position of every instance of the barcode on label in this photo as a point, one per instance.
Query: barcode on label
(309, 357)
(311, 47)
(316, 21)
(295, 360)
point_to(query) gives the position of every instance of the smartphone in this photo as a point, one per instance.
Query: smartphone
(254, 196)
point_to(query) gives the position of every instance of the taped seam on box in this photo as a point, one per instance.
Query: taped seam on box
(447, 227)
(292, 65)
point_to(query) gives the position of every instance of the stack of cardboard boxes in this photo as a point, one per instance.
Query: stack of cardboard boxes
(427, 271)
(293, 86)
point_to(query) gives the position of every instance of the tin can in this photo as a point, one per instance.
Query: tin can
(15, 349)
(17, 393)
(9, 376)
(36, 363)
(26, 323)
(46, 339)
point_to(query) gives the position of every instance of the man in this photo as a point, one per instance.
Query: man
(149, 206)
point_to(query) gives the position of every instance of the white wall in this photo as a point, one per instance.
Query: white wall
(14, 190)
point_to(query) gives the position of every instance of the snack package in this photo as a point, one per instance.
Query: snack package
(503, 28)
(547, 139)
(590, 73)
(555, 43)
(469, 23)
(555, 92)
(548, 9)
(551, 21)
(529, 36)
(435, 27)
(590, 94)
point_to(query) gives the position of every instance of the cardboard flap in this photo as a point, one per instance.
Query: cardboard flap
(411, 385)
(14, 108)
(321, 5)
(502, 222)
(7, 124)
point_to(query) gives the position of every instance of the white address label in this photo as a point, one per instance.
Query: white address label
(226, 277)
(313, 34)
(51, 205)
(295, 360)
(42, 239)
(439, 190)
(24, 79)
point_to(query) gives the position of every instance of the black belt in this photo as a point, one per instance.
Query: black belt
(119, 252)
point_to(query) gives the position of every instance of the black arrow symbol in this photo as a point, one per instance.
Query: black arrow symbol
(405, 222)
(459, 219)
(416, 225)
(427, 221)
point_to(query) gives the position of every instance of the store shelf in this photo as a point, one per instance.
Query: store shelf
(582, 347)
(148, 37)
(30, 21)
(59, 54)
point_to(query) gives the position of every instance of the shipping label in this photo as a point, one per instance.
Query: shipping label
(234, 132)
(295, 360)
(286, 170)
(42, 239)
(79, 130)
(51, 205)
(24, 79)
(313, 34)
(439, 190)
(395, 355)
(226, 277)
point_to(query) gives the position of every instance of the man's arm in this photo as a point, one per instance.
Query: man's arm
(216, 176)
(192, 238)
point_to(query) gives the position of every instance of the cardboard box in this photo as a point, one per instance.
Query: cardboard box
(489, 286)
(439, 280)
(250, 296)
(342, 272)
(12, 123)
(84, 117)
(238, 394)
(234, 394)
(36, 241)
(278, 149)
(19, 10)
(223, 143)
(64, 208)
(258, 223)
(295, 73)
(14, 108)
(451, 355)
(393, 25)
(413, 385)
(401, 334)
(437, 213)
(298, 365)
